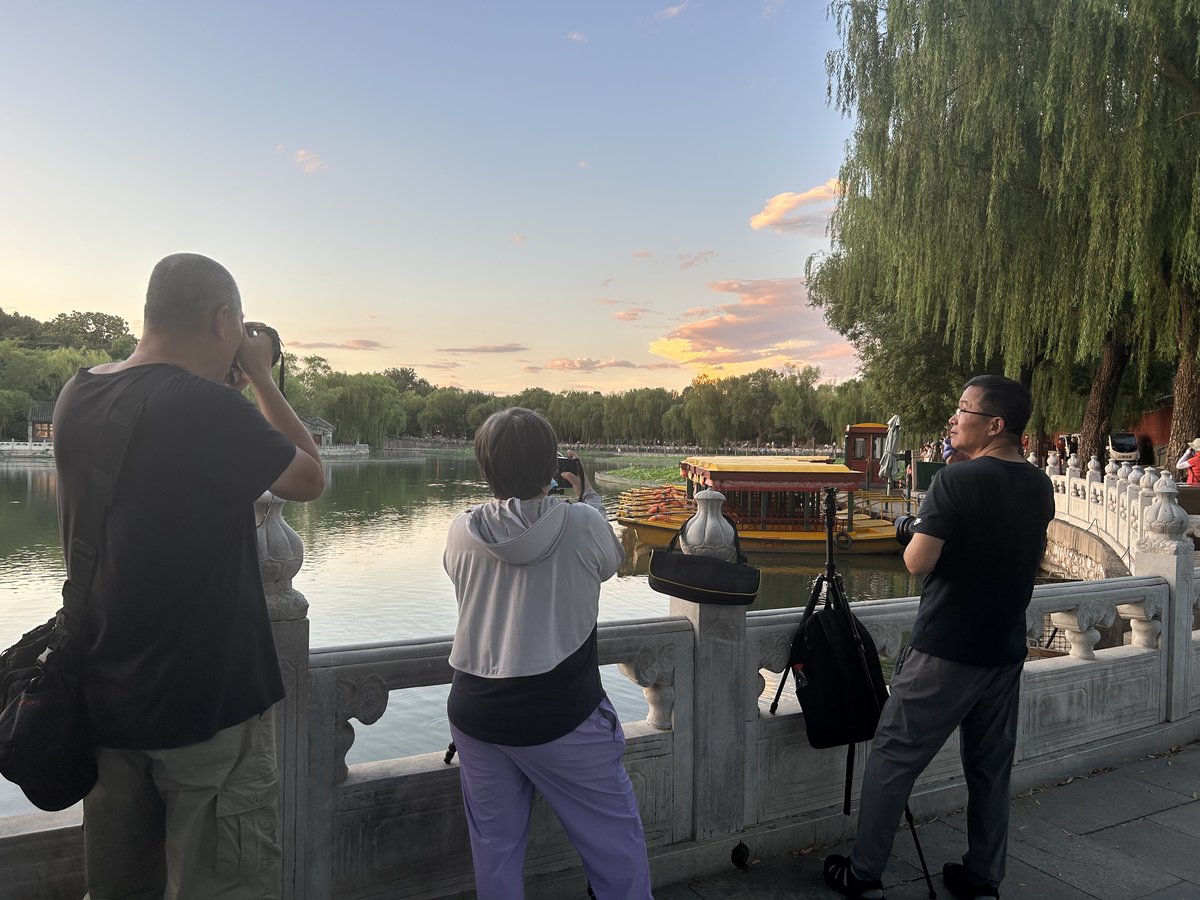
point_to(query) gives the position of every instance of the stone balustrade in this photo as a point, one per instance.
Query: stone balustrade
(710, 766)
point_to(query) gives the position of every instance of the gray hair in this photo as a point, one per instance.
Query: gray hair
(184, 290)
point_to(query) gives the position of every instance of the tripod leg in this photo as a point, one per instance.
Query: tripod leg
(912, 827)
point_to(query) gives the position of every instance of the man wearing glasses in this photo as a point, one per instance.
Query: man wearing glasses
(978, 540)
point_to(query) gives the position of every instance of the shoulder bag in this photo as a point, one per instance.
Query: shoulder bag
(45, 741)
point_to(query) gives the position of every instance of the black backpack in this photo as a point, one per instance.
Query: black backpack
(839, 681)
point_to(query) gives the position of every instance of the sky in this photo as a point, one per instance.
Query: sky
(500, 195)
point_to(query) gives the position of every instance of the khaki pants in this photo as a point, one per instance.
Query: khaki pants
(193, 823)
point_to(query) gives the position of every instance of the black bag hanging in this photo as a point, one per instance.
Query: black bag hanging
(46, 746)
(839, 680)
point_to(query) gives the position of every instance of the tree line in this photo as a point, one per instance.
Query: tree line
(789, 407)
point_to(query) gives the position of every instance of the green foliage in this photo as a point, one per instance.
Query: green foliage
(89, 331)
(651, 474)
(1021, 189)
(405, 379)
(14, 408)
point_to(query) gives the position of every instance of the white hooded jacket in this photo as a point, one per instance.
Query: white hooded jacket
(527, 577)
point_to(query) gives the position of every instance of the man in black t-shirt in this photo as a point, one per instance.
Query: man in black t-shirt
(179, 672)
(978, 540)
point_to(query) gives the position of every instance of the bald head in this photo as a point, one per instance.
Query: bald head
(184, 290)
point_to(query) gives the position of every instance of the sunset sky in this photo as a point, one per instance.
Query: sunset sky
(594, 195)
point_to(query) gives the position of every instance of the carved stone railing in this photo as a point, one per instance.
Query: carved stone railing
(351, 805)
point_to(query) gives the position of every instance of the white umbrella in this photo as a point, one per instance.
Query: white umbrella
(891, 445)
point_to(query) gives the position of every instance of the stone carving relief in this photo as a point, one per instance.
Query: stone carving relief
(364, 699)
(653, 668)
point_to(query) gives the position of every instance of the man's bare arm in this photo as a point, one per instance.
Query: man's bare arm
(304, 478)
(922, 553)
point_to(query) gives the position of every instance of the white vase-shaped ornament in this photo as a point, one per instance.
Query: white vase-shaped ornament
(708, 533)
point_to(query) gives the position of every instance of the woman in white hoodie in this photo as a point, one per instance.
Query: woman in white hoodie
(526, 708)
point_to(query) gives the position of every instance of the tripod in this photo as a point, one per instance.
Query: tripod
(844, 698)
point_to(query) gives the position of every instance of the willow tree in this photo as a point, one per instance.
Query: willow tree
(1004, 188)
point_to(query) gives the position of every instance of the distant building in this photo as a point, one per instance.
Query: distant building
(321, 431)
(41, 421)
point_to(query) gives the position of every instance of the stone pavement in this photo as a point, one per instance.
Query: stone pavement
(1117, 834)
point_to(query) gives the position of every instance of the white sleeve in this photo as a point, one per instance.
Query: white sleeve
(1183, 460)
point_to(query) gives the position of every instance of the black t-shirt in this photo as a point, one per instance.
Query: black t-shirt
(992, 514)
(179, 643)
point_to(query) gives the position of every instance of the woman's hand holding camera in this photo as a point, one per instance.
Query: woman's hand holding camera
(578, 482)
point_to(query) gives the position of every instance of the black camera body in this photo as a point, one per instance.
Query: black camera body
(257, 328)
(904, 529)
(567, 464)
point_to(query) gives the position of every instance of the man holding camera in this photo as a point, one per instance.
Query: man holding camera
(179, 672)
(978, 539)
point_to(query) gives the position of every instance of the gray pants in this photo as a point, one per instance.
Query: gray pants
(191, 823)
(930, 698)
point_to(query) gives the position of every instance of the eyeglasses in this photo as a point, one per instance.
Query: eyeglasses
(975, 412)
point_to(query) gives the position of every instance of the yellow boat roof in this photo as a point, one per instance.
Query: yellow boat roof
(817, 465)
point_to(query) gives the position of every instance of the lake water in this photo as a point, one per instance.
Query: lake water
(372, 572)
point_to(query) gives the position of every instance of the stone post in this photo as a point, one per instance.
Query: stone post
(280, 555)
(722, 707)
(1164, 550)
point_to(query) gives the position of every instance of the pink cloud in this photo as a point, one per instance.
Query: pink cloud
(352, 344)
(585, 364)
(486, 348)
(770, 323)
(643, 254)
(783, 211)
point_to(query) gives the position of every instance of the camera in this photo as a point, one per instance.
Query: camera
(567, 464)
(904, 528)
(254, 329)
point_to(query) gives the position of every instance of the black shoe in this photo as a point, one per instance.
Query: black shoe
(839, 877)
(959, 883)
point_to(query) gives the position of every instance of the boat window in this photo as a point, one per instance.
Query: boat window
(860, 448)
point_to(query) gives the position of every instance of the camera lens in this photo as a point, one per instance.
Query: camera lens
(904, 529)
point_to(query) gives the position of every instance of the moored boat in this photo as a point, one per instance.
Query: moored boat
(775, 501)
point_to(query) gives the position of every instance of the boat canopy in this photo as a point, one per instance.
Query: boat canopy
(768, 473)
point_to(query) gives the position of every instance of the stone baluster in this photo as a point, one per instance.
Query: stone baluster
(1032, 458)
(1093, 470)
(723, 705)
(1073, 469)
(1052, 466)
(1110, 473)
(1144, 623)
(1080, 625)
(280, 556)
(1165, 550)
(654, 670)
(1123, 472)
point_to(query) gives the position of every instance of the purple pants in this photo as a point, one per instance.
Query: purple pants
(581, 776)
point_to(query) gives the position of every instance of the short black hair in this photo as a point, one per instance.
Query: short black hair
(1008, 399)
(184, 289)
(515, 449)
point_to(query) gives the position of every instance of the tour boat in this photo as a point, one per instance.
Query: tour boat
(776, 502)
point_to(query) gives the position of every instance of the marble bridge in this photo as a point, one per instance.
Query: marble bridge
(710, 766)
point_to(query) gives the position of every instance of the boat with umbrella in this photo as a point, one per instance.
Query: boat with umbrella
(775, 501)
